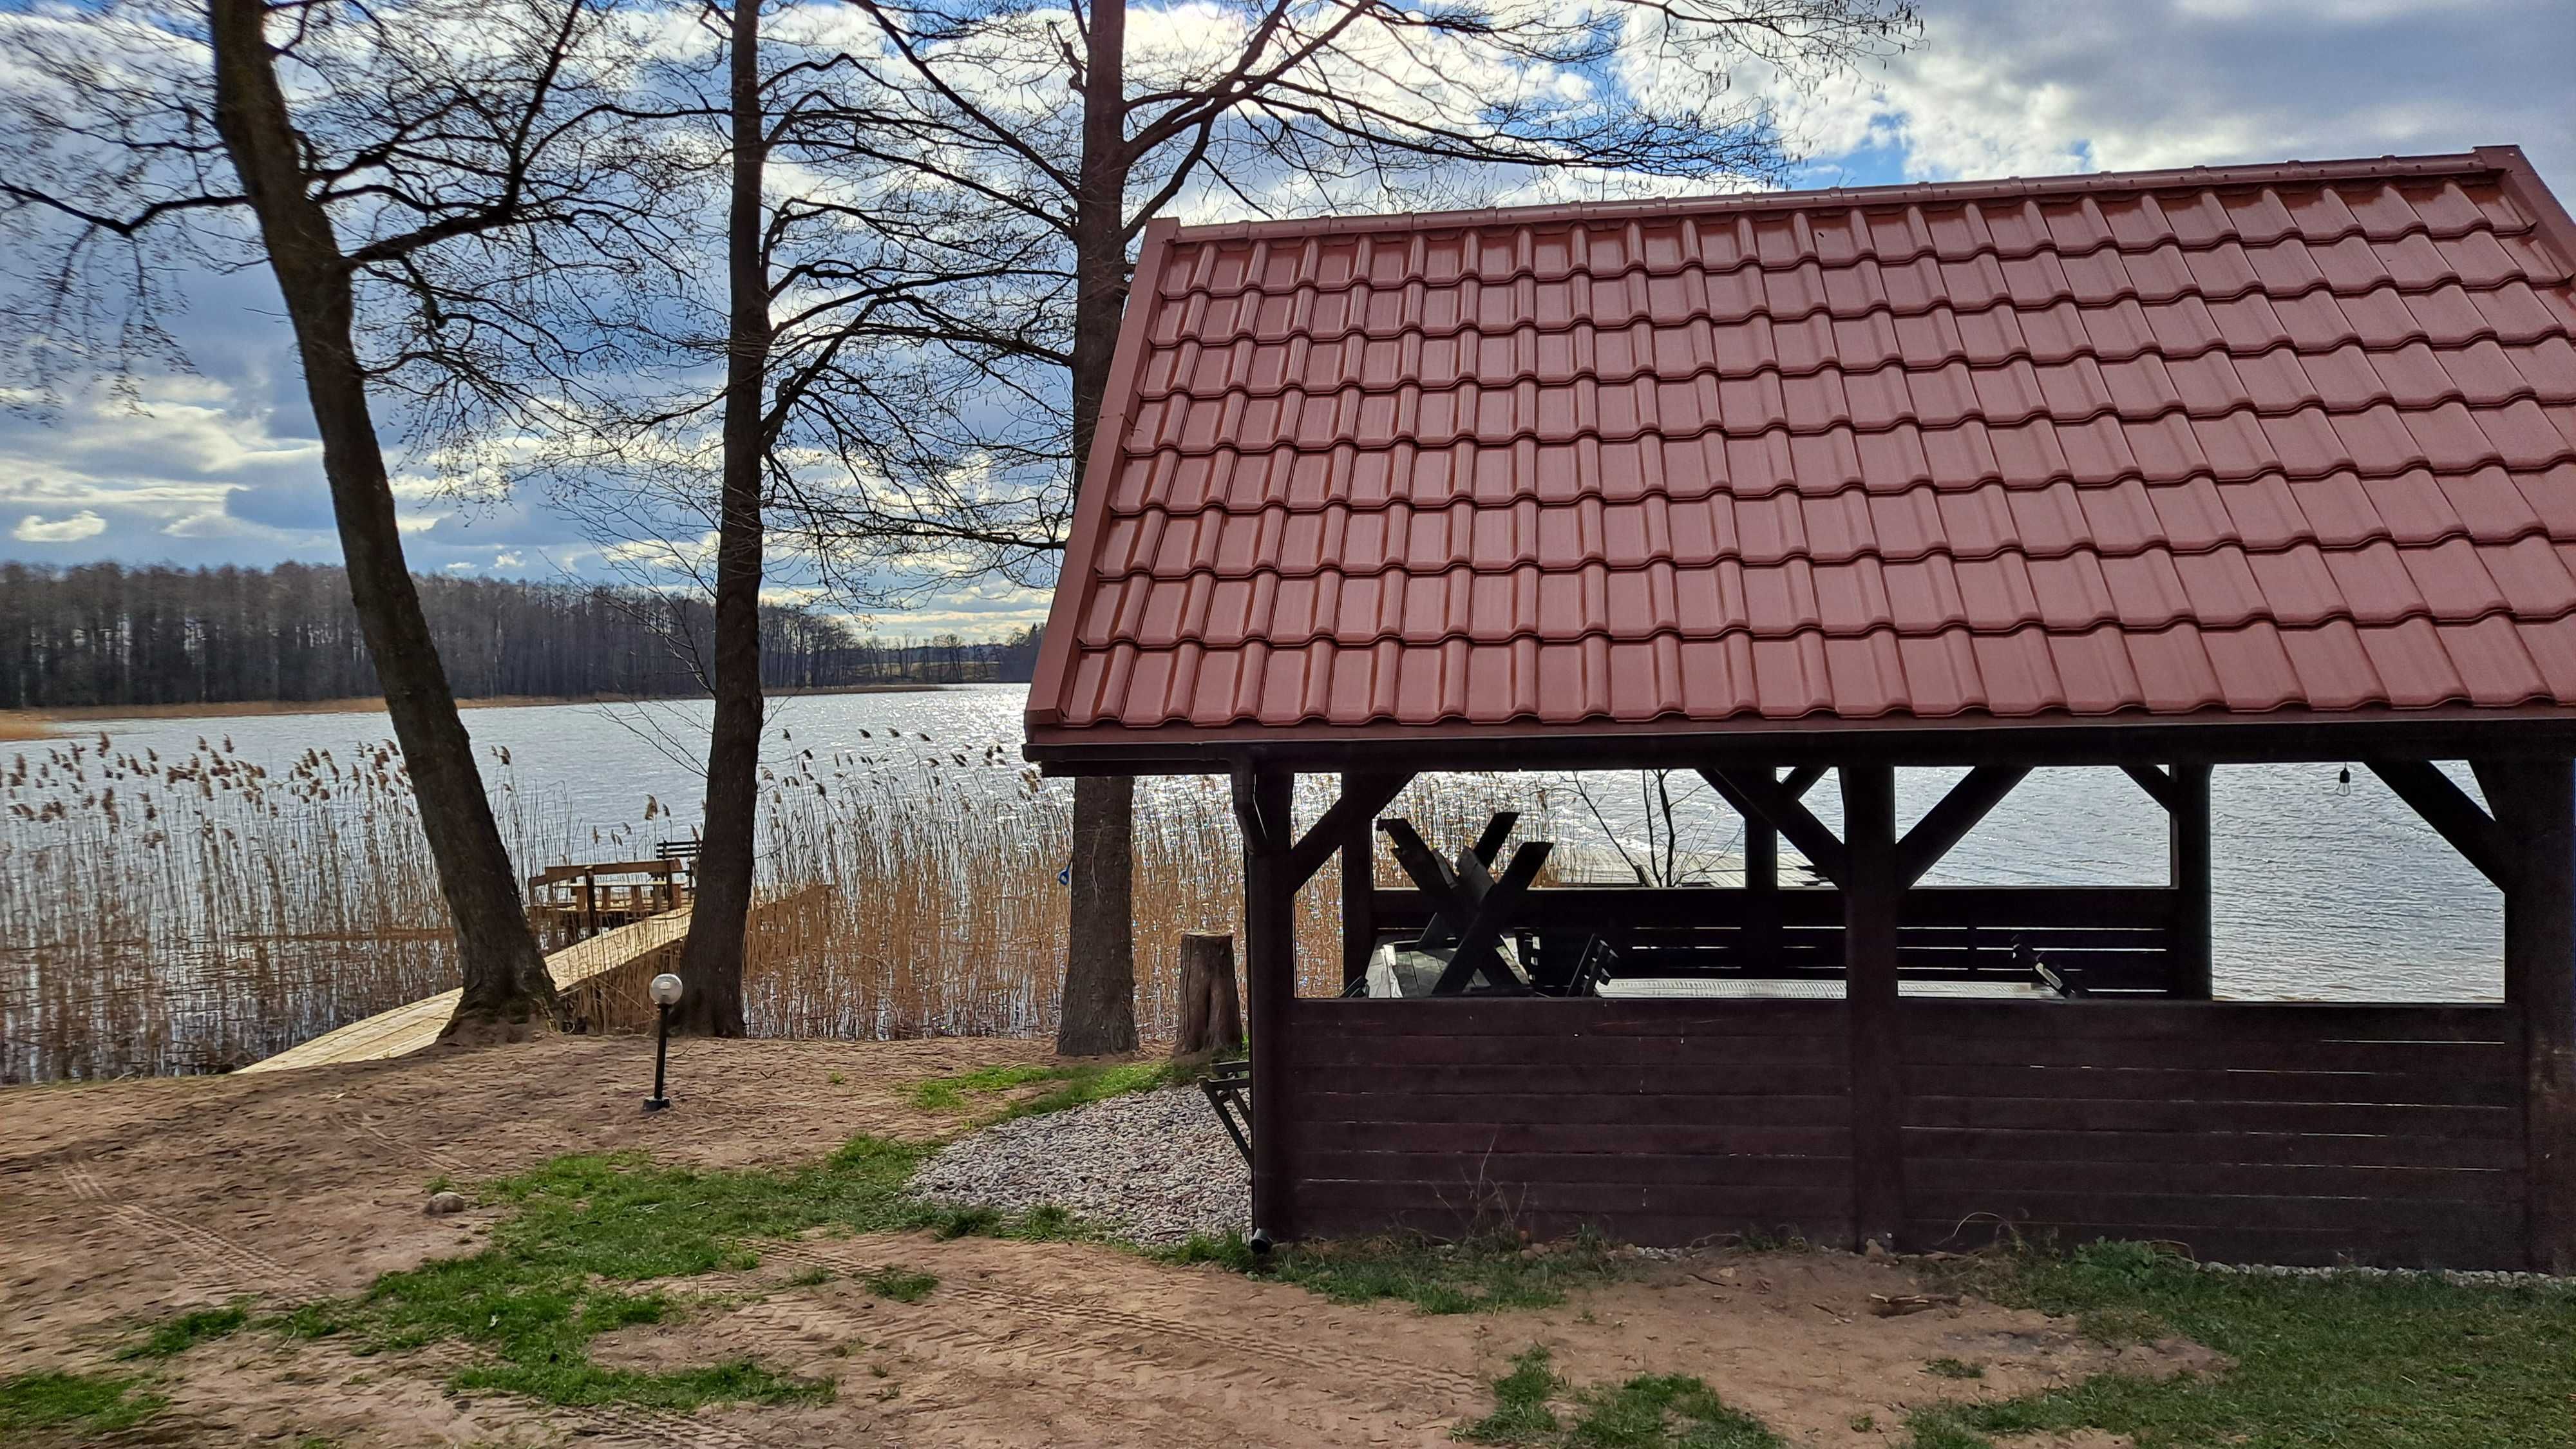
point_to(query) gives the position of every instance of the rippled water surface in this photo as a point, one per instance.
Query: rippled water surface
(2324, 889)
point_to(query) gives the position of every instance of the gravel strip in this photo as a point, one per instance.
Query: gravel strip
(2471, 1277)
(1155, 1167)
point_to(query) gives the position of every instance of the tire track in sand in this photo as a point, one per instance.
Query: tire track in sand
(219, 1261)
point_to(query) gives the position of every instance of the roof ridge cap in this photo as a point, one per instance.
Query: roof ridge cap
(1998, 188)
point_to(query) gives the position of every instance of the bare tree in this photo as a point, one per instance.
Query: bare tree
(1008, 155)
(808, 294)
(458, 173)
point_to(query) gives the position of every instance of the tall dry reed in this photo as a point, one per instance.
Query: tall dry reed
(195, 914)
(947, 915)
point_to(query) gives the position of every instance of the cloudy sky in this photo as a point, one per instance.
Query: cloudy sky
(221, 467)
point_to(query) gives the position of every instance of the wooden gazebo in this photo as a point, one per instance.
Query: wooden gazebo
(2157, 471)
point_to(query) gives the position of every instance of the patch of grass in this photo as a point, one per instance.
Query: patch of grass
(560, 1271)
(1075, 1084)
(84, 1403)
(176, 1336)
(901, 1285)
(811, 1278)
(1650, 1411)
(1521, 1409)
(1952, 1368)
(1476, 1275)
(2405, 1360)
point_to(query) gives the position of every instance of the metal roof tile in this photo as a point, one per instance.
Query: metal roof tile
(2058, 447)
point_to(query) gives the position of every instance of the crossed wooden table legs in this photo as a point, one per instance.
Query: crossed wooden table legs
(1470, 907)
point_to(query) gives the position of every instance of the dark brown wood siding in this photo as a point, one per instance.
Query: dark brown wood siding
(2267, 1133)
(2242, 1132)
(2118, 938)
(1652, 1121)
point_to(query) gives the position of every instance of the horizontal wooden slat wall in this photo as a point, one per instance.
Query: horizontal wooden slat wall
(2242, 1132)
(1655, 1121)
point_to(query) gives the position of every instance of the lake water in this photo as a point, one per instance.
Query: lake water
(2324, 888)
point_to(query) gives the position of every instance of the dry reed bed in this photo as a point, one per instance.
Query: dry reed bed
(187, 915)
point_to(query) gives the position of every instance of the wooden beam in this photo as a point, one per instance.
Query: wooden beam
(1359, 887)
(1774, 805)
(1270, 970)
(1871, 893)
(1362, 797)
(2187, 854)
(1801, 780)
(1761, 856)
(1489, 841)
(2157, 784)
(1946, 823)
(2536, 802)
(2448, 809)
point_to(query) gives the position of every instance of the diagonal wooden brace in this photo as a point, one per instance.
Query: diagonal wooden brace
(1774, 805)
(2448, 809)
(1360, 800)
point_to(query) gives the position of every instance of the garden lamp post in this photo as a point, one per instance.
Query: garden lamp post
(666, 994)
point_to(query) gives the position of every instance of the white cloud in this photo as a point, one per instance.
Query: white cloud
(35, 529)
(2031, 87)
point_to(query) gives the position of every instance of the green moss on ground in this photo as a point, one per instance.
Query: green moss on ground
(177, 1335)
(2405, 1360)
(587, 1232)
(1650, 1411)
(85, 1404)
(1069, 1084)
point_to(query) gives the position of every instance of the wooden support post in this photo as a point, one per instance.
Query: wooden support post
(2188, 829)
(1270, 962)
(1872, 892)
(1761, 930)
(1359, 888)
(2535, 804)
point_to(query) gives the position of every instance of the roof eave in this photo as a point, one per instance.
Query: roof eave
(2446, 732)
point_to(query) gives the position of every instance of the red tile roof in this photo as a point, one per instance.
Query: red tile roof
(2292, 438)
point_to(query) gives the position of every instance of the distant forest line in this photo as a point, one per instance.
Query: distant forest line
(105, 634)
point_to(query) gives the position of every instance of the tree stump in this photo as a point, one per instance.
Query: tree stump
(1211, 1012)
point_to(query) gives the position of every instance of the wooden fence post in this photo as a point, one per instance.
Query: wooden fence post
(1211, 1015)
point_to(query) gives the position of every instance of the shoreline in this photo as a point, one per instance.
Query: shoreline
(37, 724)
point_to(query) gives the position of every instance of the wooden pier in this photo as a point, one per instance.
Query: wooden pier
(601, 977)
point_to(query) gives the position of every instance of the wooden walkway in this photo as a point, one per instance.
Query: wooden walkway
(407, 1029)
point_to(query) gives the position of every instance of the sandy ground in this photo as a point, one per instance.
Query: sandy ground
(125, 1202)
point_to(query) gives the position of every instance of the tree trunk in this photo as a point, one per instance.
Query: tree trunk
(507, 992)
(1211, 1011)
(711, 962)
(1100, 950)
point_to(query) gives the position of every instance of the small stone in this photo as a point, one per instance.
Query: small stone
(440, 1204)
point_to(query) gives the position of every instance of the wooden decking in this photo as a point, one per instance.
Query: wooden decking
(408, 1028)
